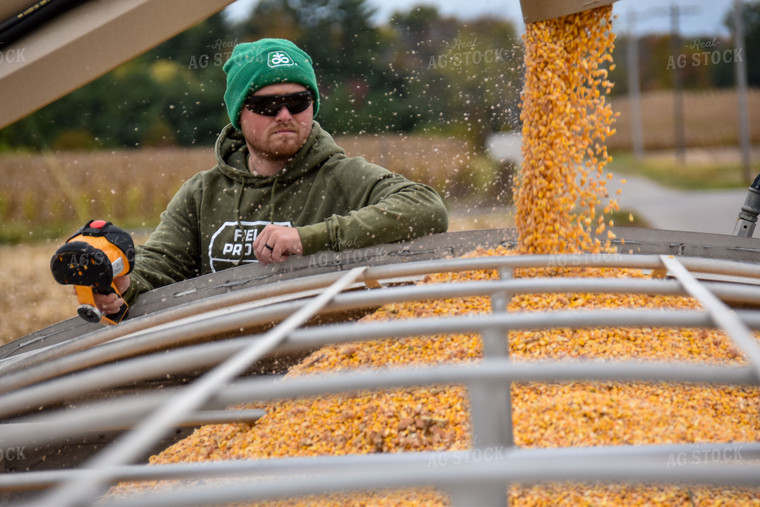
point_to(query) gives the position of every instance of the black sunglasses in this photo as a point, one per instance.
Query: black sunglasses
(270, 105)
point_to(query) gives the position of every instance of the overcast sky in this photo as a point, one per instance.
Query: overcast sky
(698, 17)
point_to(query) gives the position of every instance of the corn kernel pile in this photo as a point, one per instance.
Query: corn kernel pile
(544, 415)
(566, 122)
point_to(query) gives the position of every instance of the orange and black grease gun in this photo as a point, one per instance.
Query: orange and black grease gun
(90, 260)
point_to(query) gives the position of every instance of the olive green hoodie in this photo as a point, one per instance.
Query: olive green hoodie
(334, 201)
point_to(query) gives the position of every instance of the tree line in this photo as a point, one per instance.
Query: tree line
(419, 72)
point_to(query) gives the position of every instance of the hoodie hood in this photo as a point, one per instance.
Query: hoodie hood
(231, 154)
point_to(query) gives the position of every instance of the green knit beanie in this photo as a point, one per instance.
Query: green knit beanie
(254, 65)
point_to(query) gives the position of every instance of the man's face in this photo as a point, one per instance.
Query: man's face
(277, 137)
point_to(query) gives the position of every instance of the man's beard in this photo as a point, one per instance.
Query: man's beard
(280, 147)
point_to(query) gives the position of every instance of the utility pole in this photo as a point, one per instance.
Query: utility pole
(637, 138)
(740, 65)
(678, 121)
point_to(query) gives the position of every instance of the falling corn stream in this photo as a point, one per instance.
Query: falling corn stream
(563, 206)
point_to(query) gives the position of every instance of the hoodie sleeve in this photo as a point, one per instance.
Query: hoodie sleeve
(171, 253)
(391, 208)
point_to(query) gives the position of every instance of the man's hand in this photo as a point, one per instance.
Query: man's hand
(111, 303)
(276, 242)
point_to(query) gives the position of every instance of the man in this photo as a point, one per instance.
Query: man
(281, 185)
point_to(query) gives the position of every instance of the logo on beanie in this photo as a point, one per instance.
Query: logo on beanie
(279, 59)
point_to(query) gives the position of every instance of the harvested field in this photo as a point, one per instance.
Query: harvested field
(30, 299)
(711, 118)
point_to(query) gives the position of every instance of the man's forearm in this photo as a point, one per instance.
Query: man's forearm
(414, 211)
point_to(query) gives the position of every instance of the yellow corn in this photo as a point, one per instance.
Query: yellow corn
(565, 124)
(544, 415)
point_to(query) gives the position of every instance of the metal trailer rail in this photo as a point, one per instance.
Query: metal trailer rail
(87, 370)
